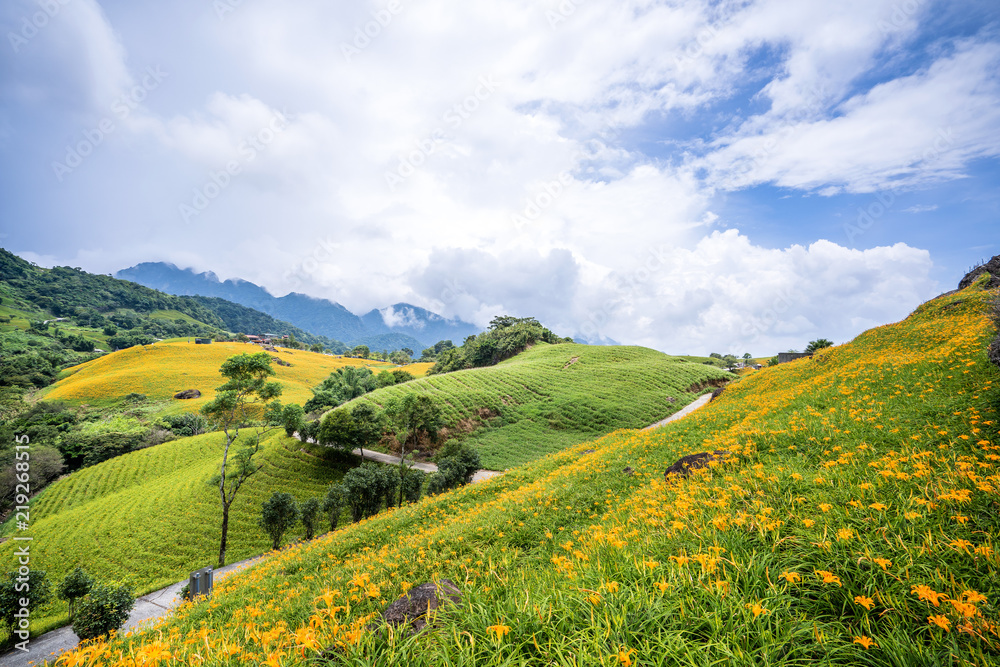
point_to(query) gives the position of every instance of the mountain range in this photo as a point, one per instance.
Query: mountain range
(394, 327)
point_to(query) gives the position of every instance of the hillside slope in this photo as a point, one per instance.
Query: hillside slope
(855, 523)
(150, 517)
(163, 369)
(554, 396)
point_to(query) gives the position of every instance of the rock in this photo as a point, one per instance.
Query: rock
(413, 607)
(716, 393)
(628, 471)
(280, 361)
(188, 393)
(686, 464)
(991, 267)
(671, 399)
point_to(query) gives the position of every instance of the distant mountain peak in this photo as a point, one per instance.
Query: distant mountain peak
(314, 314)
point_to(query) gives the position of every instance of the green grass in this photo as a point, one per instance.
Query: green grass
(150, 517)
(173, 315)
(859, 503)
(543, 403)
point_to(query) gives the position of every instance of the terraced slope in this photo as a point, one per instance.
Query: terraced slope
(554, 396)
(163, 369)
(855, 523)
(151, 516)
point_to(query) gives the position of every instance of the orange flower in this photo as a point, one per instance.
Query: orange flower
(500, 630)
(625, 657)
(790, 577)
(865, 602)
(964, 609)
(940, 621)
(882, 562)
(756, 608)
(865, 641)
(828, 577)
(928, 594)
(973, 596)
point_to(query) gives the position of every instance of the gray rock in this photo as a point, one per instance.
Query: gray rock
(188, 393)
(686, 464)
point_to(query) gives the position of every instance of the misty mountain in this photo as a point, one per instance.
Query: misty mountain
(319, 316)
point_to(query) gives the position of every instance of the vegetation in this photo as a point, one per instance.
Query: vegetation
(505, 337)
(150, 513)
(246, 401)
(103, 610)
(76, 584)
(853, 521)
(277, 515)
(817, 345)
(12, 592)
(553, 396)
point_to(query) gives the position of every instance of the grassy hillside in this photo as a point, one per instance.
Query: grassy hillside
(855, 523)
(151, 517)
(554, 396)
(161, 370)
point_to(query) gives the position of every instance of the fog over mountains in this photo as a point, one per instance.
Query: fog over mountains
(393, 327)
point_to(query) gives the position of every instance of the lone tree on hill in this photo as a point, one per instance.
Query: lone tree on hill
(245, 401)
(411, 415)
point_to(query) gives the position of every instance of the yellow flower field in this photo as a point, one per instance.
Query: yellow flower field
(161, 370)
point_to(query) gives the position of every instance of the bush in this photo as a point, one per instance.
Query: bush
(10, 596)
(310, 512)
(278, 514)
(185, 424)
(437, 483)
(333, 504)
(364, 488)
(134, 398)
(103, 609)
(411, 483)
(462, 459)
(76, 584)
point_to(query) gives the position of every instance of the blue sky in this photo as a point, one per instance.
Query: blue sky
(691, 175)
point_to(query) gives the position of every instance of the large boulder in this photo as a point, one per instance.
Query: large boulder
(188, 393)
(686, 464)
(413, 607)
(991, 267)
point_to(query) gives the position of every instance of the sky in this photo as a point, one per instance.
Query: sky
(693, 176)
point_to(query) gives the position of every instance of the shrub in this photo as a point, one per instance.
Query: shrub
(278, 514)
(437, 483)
(333, 504)
(411, 483)
(103, 609)
(76, 584)
(364, 488)
(310, 512)
(11, 592)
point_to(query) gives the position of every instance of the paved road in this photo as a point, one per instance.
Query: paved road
(147, 608)
(683, 412)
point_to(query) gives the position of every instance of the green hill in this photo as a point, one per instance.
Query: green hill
(150, 517)
(854, 522)
(554, 396)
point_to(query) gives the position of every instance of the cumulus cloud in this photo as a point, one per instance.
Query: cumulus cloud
(556, 159)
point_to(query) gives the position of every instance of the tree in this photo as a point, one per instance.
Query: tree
(819, 344)
(316, 347)
(241, 403)
(338, 430)
(76, 584)
(410, 415)
(310, 512)
(278, 513)
(363, 490)
(333, 504)
(715, 355)
(411, 482)
(361, 351)
(103, 609)
(368, 424)
(12, 590)
(292, 418)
